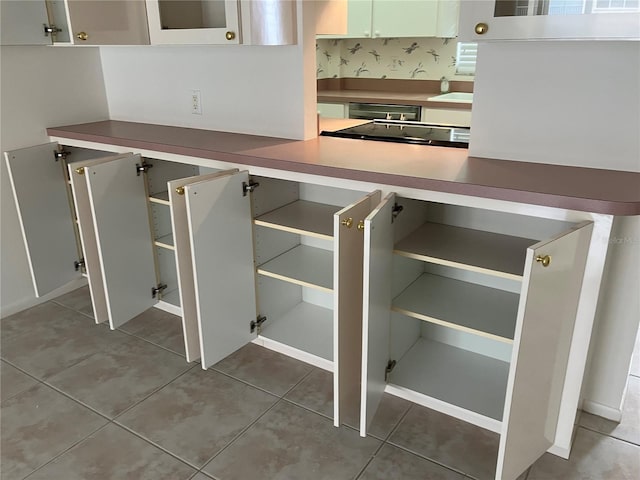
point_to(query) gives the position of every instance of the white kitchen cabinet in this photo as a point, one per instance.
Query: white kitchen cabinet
(265, 22)
(401, 18)
(284, 273)
(333, 110)
(446, 116)
(476, 324)
(532, 20)
(79, 22)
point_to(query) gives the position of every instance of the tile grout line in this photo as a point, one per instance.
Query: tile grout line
(280, 399)
(67, 450)
(383, 443)
(628, 442)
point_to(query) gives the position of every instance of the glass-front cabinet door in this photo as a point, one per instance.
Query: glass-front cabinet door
(549, 19)
(193, 21)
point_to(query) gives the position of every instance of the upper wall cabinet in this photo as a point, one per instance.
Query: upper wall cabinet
(199, 22)
(402, 18)
(549, 19)
(78, 22)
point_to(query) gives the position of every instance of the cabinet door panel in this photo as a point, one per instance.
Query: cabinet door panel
(347, 311)
(39, 189)
(546, 317)
(125, 245)
(221, 236)
(21, 23)
(109, 22)
(404, 18)
(376, 311)
(184, 265)
(84, 215)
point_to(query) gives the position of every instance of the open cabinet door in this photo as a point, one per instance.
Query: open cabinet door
(348, 248)
(376, 307)
(221, 236)
(544, 327)
(184, 265)
(39, 188)
(23, 22)
(84, 214)
(118, 199)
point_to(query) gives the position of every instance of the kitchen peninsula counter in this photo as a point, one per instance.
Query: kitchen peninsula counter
(440, 169)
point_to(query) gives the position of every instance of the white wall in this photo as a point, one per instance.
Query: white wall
(245, 89)
(40, 87)
(573, 103)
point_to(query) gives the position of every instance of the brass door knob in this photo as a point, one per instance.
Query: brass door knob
(481, 28)
(80, 171)
(82, 36)
(545, 260)
(230, 35)
(361, 225)
(347, 222)
(180, 190)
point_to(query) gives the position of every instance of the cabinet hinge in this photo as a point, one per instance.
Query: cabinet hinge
(157, 289)
(60, 153)
(142, 167)
(390, 366)
(249, 187)
(78, 264)
(395, 211)
(50, 30)
(257, 323)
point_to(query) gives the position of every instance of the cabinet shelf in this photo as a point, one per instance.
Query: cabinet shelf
(166, 241)
(468, 249)
(305, 332)
(161, 198)
(457, 382)
(465, 306)
(301, 217)
(302, 265)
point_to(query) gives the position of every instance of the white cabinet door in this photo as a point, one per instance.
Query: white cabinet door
(193, 22)
(221, 236)
(22, 23)
(118, 197)
(404, 18)
(376, 311)
(546, 317)
(38, 183)
(84, 215)
(184, 265)
(347, 310)
(108, 22)
(523, 22)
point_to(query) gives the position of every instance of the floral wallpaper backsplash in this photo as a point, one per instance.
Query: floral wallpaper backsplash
(398, 58)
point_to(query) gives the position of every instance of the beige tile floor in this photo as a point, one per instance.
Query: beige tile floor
(79, 401)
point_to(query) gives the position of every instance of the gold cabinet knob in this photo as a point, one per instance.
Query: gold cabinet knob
(180, 190)
(347, 222)
(545, 260)
(80, 171)
(230, 35)
(481, 28)
(82, 36)
(361, 225)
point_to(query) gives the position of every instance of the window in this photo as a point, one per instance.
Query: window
(466, 58)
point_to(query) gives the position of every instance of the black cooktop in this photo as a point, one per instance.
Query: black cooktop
(406, 132)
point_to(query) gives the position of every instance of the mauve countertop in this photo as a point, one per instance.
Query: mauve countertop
(392, 98)
(416, 166)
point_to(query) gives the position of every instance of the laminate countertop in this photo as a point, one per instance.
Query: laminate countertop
(423, 167)
(393, 98)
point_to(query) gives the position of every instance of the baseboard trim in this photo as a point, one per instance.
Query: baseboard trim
(614, 414)
(33, 301)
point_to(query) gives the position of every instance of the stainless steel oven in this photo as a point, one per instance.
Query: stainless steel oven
(379, 111)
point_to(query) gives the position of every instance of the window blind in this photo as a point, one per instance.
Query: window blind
(466, 58)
